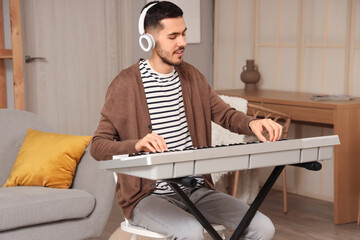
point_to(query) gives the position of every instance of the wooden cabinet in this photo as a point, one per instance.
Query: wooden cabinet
(344, 116)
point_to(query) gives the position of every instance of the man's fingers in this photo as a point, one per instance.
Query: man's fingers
(260, 136)
(258, 133)
(152, 142)
(257, 129)
(162, 144)
(158, 142)
(278, 131)
(274, 129)
(149, 147)
(269, 129)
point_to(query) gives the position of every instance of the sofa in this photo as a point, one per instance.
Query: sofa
(37, 212)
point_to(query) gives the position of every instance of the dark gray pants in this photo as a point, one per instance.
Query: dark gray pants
(168, 215)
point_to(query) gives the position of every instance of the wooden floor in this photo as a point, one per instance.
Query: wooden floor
(307, 219)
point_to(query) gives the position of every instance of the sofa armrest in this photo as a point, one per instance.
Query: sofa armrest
(100, 183)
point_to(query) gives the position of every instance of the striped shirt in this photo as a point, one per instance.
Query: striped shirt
(167, 113)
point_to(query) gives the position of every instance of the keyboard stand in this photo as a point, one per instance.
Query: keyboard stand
(193, 209)
(252, 209)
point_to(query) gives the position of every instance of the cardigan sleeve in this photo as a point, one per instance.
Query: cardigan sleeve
(105, 144)
(106, 141)
(228, 117)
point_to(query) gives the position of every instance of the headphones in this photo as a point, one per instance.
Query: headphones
(145, 37)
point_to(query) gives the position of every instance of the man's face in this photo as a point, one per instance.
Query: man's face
(171, 41)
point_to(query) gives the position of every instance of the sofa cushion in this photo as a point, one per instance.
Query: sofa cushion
(47, 159)
(13, 127)
(26, 206)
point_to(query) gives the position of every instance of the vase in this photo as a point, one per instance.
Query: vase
(250, 75)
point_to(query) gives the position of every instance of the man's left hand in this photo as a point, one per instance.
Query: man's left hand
(273, 128)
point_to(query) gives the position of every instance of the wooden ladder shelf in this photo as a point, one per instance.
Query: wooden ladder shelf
(15, 54)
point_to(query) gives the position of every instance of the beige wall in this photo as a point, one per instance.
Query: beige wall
(298, 45)
(85, 44)
(85, 48)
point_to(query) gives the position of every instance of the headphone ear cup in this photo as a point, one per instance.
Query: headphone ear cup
(149, 42)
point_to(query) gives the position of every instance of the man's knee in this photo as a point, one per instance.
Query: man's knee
(191, 230)
(260, 228)
(267, 232)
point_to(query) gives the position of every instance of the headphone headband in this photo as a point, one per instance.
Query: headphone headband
(142, 18)
(145, 37)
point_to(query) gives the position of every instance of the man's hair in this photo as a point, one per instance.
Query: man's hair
(160, 11)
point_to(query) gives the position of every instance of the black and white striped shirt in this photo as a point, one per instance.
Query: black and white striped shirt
(167, 113)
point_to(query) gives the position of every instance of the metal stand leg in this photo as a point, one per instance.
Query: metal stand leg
(193, 209)
(249, 214)
(257, 202)
(315, 166)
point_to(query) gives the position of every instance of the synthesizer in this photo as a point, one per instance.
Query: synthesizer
(205, 160)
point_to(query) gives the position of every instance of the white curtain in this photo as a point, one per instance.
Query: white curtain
(86, 43)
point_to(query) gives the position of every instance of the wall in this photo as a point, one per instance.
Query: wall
(200, 54)
(85, 46)
(298, 45)
(84, 53)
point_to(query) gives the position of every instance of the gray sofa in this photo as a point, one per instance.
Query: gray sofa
(46, 213)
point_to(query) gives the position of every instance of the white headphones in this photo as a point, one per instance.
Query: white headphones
(145, 37)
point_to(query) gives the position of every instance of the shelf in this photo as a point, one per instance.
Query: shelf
(6, 54)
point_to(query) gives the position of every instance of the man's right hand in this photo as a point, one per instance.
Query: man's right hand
(152, 142)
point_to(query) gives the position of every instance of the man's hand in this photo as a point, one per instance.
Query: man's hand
(152, 142)
(259, 125)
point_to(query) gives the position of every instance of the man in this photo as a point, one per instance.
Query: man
(164, 103)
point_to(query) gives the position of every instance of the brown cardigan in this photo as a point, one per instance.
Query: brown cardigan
(125, 119)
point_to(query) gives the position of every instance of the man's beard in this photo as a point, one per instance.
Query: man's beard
(166, 56)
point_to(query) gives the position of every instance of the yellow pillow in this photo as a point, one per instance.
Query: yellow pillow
(47, 159)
